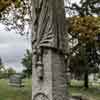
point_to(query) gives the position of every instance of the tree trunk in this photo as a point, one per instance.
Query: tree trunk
(86, 80)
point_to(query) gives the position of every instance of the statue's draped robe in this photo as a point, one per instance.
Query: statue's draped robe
(48, 24)
(48, 31)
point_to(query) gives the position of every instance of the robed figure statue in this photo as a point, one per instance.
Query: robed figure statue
(48, 46)
(48, 24)
(48, 27)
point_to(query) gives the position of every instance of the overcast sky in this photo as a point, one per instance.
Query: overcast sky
(12, 48)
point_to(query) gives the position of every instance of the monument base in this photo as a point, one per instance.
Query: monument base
(54, 85)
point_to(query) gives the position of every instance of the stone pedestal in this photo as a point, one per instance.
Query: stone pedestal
(53, 86)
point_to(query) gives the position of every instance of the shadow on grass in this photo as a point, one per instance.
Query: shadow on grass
(92, 93)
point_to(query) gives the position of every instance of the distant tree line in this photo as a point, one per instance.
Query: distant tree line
(27, 63)
(5, 72)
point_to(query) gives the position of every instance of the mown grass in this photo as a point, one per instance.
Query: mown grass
(13, 93)
(24, 93)
(76, 88)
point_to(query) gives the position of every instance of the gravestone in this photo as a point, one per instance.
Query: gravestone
(48, 46)
(15, 80)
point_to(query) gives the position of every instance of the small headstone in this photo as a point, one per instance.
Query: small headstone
(16, 81)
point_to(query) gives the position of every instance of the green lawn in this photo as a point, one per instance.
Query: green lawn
(11, 93)
(76, 88)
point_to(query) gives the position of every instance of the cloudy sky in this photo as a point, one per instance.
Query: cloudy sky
(12, 48)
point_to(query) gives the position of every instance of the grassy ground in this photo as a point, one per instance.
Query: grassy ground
(93, 93)
(11, 93)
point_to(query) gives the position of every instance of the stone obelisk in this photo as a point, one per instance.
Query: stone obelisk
(48, 46)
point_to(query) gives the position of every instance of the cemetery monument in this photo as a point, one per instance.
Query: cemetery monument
(48, 46)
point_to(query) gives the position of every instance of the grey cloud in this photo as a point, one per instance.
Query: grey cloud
(12, 48)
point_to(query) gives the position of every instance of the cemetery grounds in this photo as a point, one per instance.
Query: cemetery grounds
(15, 93)
(93, 93)
(24, 93)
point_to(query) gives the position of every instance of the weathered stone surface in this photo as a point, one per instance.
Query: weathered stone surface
(48, 45)
(54, 84)
(48, 24)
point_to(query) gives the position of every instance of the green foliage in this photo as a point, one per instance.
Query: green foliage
(9, 72)
(85, 30)
(2, 70)
(6, 73)
(27, 63)
(17, 15)
(6, 3)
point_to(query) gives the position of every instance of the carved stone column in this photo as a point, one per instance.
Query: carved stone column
(48, 43)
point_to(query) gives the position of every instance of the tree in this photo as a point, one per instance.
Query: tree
(84, 64)
(2, 69)
(5, 73)
(9, 72)
(17, 15)
(86, 30)
(27, 63)
(83, 8)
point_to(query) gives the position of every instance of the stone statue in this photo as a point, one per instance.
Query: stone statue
(46, 33)
(48, 28)
(48, 46)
